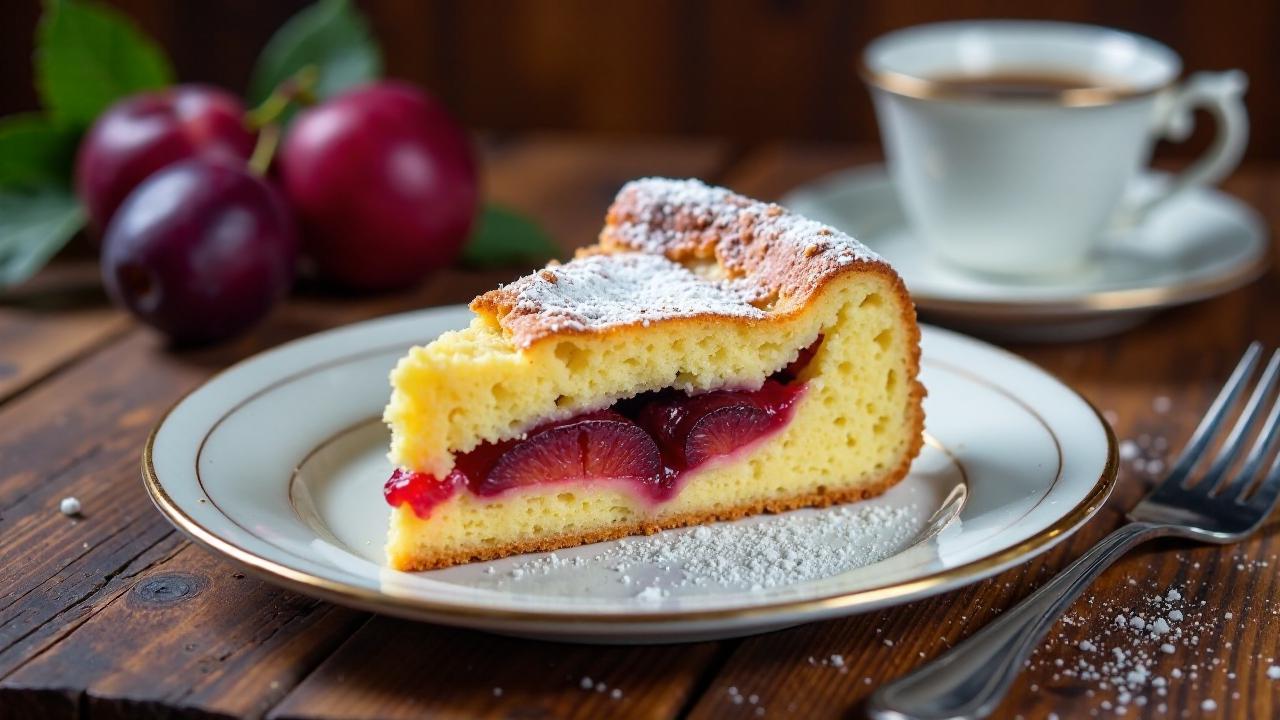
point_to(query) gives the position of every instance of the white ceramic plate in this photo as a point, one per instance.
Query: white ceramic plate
(278, 464)
(1199, 244)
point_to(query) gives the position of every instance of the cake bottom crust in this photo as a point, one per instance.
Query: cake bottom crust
(648, 527)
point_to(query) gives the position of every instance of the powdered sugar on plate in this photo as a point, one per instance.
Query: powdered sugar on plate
(751, 555)
(777, 552)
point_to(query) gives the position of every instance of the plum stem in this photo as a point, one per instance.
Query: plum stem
(297, 90)
(265, 150)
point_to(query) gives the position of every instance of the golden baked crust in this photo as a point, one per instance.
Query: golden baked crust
(680, 249)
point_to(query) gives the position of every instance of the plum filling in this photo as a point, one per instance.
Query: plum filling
(649, 442)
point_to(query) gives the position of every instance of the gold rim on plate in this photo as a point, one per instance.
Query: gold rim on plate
(424, 608)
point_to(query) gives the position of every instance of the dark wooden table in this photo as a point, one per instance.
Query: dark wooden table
(117, 615)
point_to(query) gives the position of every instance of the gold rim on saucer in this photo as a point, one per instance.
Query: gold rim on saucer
(1102, 301)
(872, 177)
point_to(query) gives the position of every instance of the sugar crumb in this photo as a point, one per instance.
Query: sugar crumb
(69, 506)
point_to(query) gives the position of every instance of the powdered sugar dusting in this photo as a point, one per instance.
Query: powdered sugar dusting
(657, 200)
(750, 555)
(677, 249)
(602, 291)
(663, 212)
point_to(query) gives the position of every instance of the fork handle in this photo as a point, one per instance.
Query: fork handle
(970, 679)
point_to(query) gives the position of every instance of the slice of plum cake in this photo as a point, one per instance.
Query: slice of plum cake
(710, 357)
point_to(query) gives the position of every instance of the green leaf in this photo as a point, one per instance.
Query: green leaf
(88, 56)
(34, 151)
(330, 35)
(504, 238)
(34, 225)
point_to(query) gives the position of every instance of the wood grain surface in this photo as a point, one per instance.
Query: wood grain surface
(50, 322)
(114, 614)
(752, 70)
(460, 674)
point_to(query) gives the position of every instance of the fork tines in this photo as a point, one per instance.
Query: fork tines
(1233, 446)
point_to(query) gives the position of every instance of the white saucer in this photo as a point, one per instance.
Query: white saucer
(1200, 244)
(278, 464)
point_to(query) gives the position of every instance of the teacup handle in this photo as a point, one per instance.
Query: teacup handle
(1222, 95)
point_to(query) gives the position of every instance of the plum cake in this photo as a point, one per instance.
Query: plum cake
(710, 357)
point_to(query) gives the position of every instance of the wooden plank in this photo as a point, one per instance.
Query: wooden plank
(568, 183)
(612, 67)
(68, 589)
(85, 581)
(78, 435)
(1230, 594)
(795, 78)
(56, 318)
(211, 642)
(462, 674)
(751, 71)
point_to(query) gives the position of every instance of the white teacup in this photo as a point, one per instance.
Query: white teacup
(1026, 184)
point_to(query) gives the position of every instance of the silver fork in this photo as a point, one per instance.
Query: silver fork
(970, 679)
